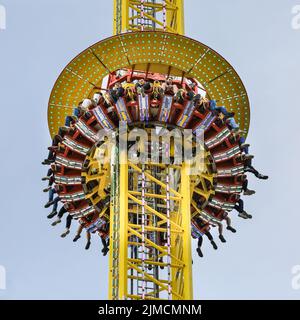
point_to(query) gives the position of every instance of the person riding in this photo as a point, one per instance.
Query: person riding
(142, 87)
(169, 88)
(117, 91)
(200, 228)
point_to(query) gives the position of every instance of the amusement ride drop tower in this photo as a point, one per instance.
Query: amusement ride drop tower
(151, 205)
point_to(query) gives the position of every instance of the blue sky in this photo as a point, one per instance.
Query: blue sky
(257, 39)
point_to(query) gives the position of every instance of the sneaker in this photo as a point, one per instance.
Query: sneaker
(244, 215)
(76, 238)
(47, 189)
(261, 176)
(45, 178)
(105, 251)
(52, 214)
(65, 233)
(53, 148)
(88, 245)
(248, 156)
(245, 145)
(48, 204)
(231, 229)
(222, 238)
(56, 222)
(214, 245)
(249, 192)
(47, 162)
(249, 216)
(200, 254)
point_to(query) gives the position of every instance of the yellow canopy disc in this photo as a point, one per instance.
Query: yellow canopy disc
(162, 52)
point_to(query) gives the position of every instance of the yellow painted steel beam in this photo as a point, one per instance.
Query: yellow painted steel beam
(186, 224)
(157, 282)
(148, 175)
(111, 279)
(128, 12)
(161, 216)
(123, 228)
(152, 195)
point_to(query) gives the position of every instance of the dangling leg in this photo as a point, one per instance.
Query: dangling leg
(239, 207)
(244, 146)
(229, 227)
(49, 174)
(250, 168)
(105, 246)
(62, 211)
(247, 192)
(53, 213)
(88, 238)
(50, 202)
(211, 239)
(220, 229)
(200, 241)
(78, 234)
(68, 226)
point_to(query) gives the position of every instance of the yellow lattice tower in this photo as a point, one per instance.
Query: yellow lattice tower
(159, 15)
(142, 16)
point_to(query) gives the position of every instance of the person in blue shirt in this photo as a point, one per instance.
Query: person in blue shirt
(223, 110)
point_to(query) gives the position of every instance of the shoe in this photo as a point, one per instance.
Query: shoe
(48, 204)
(262, 177)
(200, 254)
(245, 145)
(244, 215)
(105, 251)
(45, 178)
(214, 245)
(88, 245)
(249, 192)
(249, 216)
(231, 229)
(52, 214)
(47, 162)
(248, 156)
(56, 222)
(47, 189)
(222, 238)
(76, 238)
(65, 233)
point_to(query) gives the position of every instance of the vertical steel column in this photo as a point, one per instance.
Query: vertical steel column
(123, 230)
(127, 14)
(186, 225)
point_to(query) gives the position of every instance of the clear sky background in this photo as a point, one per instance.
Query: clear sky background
(256, 37)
